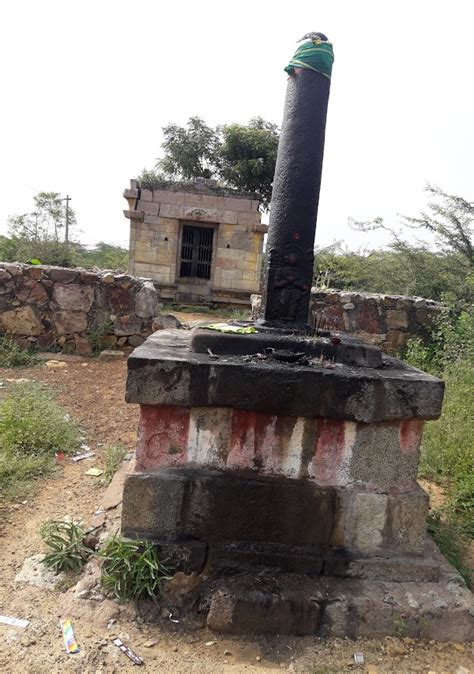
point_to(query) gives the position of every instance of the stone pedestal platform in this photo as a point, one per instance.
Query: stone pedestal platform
(283, 471)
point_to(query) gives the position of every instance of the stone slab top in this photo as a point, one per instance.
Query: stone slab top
(287, 347)
(164, 371)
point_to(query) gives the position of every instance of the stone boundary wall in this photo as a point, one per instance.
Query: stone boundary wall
(61, 308)
(387, 321)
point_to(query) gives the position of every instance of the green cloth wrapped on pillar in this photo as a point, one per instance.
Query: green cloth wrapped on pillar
(314, 55)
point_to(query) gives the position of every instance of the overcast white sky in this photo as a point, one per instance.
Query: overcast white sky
(88, 84)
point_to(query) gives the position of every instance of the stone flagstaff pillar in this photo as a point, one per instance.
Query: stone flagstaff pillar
(296, 186)
(280, 467)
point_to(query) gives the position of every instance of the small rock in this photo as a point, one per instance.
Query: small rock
(150, 643)
(108, 278)
(110, 354)
(210, 643)
(55, 364)
(227, 652)
(258, 658)
(462, 670)
(165, 322)
(34, 572)
(175, 649)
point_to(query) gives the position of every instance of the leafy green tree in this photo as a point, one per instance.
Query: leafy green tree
(240, 156)
(190, 152)
(247, 157)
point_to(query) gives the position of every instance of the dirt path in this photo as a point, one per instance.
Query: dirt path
(93, 393)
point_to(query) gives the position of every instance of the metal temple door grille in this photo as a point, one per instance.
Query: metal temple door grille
(196, 252)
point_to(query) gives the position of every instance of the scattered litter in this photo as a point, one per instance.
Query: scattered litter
(68, 636)
(59, 457)
(150, 643)
(210, 643)
(225, 327)
(21, 380)
(173, 617)
(85, 455)
(359, 658)
(212, 355)
(55, 364)
(95, 472)
(128, 652)
(329, 366)
(15, 622)
(84, 447)
(335, 339)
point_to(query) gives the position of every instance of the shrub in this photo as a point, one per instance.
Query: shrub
(66, 541)
(97, 335)
(131, 570)
(32, 423)
(13, 355)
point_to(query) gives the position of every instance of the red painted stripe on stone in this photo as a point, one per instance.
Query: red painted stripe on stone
(162, 436)
(410, 434)
(330, 452)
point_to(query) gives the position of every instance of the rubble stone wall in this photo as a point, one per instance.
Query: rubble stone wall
(387, 321)
(55, 307)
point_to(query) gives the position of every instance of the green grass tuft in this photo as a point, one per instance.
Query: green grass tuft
(32, 423)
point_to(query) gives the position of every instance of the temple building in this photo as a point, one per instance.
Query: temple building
(198, 242)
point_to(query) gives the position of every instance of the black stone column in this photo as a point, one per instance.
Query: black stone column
(294, 205)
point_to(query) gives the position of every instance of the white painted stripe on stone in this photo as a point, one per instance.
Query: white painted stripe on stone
(291, 466)
(209, 436)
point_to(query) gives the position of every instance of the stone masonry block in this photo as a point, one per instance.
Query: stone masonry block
(378, 459)
(149, 207)
(234, 204)
(171, 211)
(396, 319)
(168, 197)
(246, 218)
(407, 513)
(228, 217)
(369, 517)
(146, 195)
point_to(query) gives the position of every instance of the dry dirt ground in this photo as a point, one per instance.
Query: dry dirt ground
(93, 392)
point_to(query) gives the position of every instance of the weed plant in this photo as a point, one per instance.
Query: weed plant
(14, 355)
(130, 570)
(65, 540)
(113, 460)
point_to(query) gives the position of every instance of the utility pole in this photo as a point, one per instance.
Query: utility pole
(66, 235)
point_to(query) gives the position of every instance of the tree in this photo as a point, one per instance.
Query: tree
(39, 234)
(103, 255)
(247, 157)
(241, 156)
(189, 152)
(448, 269)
